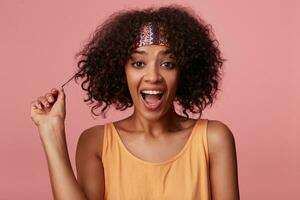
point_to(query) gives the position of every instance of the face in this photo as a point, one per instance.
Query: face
(152, 76)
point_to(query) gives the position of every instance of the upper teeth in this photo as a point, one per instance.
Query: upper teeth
(152, 92)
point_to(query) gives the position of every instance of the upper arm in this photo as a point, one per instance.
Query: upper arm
(90, 173)
(223, 162)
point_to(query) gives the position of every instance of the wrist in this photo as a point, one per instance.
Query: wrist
(52, 135)
(51, 127)
(55, 124)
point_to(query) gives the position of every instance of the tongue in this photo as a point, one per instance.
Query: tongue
(151, 99)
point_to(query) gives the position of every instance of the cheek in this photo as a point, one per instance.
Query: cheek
(172, 80)
(132, 80)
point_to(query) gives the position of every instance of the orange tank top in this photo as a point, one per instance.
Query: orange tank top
(185, 176)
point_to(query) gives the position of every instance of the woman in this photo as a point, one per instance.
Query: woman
(147, 59)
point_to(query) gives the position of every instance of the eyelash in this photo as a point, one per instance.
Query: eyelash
(134, 64)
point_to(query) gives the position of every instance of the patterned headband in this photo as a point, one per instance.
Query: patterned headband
(151, 34)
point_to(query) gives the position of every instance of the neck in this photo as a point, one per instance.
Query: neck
(155, 128)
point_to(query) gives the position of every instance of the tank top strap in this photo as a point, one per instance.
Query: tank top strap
(107, 140)
(201, 136)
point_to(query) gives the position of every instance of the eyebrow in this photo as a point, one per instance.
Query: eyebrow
(165, 52)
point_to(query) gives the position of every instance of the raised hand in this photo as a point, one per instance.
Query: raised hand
(49, 110)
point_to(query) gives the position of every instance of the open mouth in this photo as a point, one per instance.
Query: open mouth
(147, 96)
(152, 98)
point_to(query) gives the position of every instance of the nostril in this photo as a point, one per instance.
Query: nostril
(154, 78)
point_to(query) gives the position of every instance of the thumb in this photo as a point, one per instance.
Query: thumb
(61, 94)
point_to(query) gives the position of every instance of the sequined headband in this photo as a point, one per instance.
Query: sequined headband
(151, 34)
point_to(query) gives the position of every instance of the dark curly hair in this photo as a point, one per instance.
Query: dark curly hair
(191, 40)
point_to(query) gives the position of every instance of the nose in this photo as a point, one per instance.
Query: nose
(152, 74)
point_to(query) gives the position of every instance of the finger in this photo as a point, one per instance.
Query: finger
(36, 105)
(44, 101)
(39, 105)
(61, 95)
(54, 91)
(50, 97)
(33, 105)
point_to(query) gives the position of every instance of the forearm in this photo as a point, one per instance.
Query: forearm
(63, 181)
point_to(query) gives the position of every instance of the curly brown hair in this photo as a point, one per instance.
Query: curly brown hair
(191, 41)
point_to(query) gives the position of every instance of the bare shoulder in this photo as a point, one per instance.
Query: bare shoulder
(223, 161)
(219, 136)
(91, 140)
(89, 166)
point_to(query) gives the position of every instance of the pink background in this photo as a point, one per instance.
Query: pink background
(259, 99)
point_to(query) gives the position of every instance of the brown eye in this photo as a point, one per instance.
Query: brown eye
(137, 64)
(169, 65)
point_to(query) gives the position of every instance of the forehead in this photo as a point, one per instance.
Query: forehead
(152, 49)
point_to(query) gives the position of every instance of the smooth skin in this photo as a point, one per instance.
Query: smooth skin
(162, 131)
